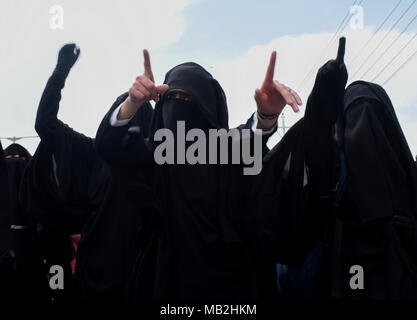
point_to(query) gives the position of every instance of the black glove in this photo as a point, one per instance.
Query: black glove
(325, 102)
(67, 57)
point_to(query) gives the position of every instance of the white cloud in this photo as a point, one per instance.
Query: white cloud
(111, 38)
(111, 35)
(296, 55)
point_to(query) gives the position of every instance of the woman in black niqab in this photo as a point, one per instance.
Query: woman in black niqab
(23, 233)
(7, 261)
(71, 190)
(194, 251)
(377, 201)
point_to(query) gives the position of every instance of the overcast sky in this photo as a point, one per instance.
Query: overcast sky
(231, 39)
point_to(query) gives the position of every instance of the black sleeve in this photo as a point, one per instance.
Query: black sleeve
(72, 152)
(288, 219)
(50, 129)
(265, 137)
(128, 144)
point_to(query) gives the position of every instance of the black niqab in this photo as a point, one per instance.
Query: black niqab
(376, 215)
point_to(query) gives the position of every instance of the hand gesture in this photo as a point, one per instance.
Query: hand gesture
(326, 99)
(273, 95)
(144, 89)
(67, 56)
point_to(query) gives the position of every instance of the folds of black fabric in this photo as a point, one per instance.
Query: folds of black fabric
(71, 190)
(7, 261)
(22, 234)
(378, 209)
(202, 244)
(299, 182)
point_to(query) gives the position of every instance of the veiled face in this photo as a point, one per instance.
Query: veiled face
(346, 121)
(180, 95)
(15, 156)
(179, 105)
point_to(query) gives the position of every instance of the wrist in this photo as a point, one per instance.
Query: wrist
(62, 70)
(128, 109)
(265, 124)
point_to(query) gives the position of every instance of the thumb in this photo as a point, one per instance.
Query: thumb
(162, 88)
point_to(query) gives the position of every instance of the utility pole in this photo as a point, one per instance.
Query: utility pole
(282, 127)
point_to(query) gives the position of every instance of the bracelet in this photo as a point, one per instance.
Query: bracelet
(267, 116)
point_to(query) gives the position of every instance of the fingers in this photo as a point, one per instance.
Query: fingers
(341, 50)
(135, 95)
(147, 63)
(162, 88)
(258, 97)
(150, 86)
(146, 88)
(296, 96)
(271, 67)
(290, 96)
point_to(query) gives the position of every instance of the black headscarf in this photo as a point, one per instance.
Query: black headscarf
(15, 167)
(378, 206)
(197, 256)
(206, 92)
(380, 166)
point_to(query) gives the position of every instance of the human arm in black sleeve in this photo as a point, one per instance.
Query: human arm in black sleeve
(47, 124)
(324, 106)
(125, 144)
(294, 192)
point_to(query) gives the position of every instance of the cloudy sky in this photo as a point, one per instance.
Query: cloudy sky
(231, 39)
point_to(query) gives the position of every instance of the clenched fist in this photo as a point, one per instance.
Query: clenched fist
(67, 57)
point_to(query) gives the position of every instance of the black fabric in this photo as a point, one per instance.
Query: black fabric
(5, 234)
(297, 186)
(22, 233)
(193, 247)
(7, 258)
(377, 212)
(205, 90)
(71, 190)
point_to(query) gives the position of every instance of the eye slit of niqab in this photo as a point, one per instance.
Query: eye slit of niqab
(15, 156)
(180, 95)
(364, 99)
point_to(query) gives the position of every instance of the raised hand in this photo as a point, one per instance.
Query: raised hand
(273, 95)
(326, 99)
(144, 89)
(67, 56)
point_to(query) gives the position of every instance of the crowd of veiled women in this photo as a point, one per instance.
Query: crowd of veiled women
(339, 190)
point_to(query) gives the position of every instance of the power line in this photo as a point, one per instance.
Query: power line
(400, 68)
(398, 53)
(376, 31)
(383, 39)
(14, 139)
(386, 50)
(339, 30)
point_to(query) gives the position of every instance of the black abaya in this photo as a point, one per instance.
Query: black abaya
(70, 189)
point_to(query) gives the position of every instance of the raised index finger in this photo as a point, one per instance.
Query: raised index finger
(147, 63)
(271, 68)
(341, 50)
